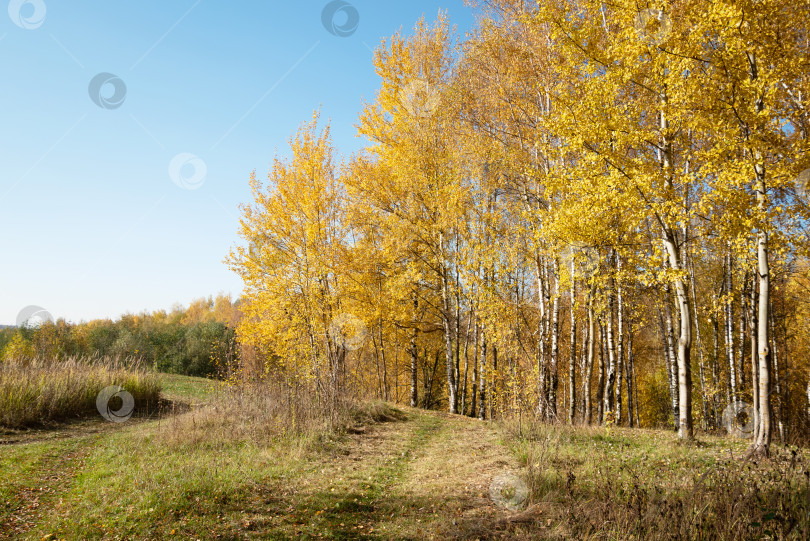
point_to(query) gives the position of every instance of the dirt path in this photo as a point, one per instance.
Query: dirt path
(425, 476)
(46, 477)
(47, 460)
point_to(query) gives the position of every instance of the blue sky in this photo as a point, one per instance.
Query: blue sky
(94, 223)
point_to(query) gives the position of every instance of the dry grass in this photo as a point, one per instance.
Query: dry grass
(255, 413)
(599, 483)
(41, 391)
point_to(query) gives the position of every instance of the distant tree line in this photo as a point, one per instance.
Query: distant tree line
(197, 341)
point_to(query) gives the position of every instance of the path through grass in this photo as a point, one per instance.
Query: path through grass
(418, 475)
(421, 475)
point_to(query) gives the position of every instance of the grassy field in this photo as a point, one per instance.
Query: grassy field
(391, 473)
(612, 483)
(186, 389)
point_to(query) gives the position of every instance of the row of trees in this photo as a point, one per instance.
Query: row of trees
(616, 187)
(198, 340)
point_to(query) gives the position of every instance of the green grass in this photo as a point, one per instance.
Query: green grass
(191, 476)
(162, 480)
(232, 469)
(144, 479)
(31, 477)
(188, 389)
(134, 485)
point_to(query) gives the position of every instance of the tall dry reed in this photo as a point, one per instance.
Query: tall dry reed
(39, 391)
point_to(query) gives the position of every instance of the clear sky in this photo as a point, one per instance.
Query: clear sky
(129, 130)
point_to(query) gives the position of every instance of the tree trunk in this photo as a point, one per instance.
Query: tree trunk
(384, 366)
(628, 374)
(701, 367)
(586, 387)
(427, 380)
(620, 342)
(583, 367)
(600, 384)
(452, 396)
(380, 392)
(715, 366)
(482, 378)
(671, 360)
(493, 393)
(752, 318)
(474, 397)
(608, 408)
(635, 377)
(685, 431)
(742, 330)
(763, 441)
(673, 248)
(777, 381)
(729, 327)
(457, 334)
(466, 364)
(555, 347)
(414, 362)
(807, 392)
(572, 386)
(541, 341)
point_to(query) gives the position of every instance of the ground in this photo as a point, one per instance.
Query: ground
(419, 475)
(402, 474)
